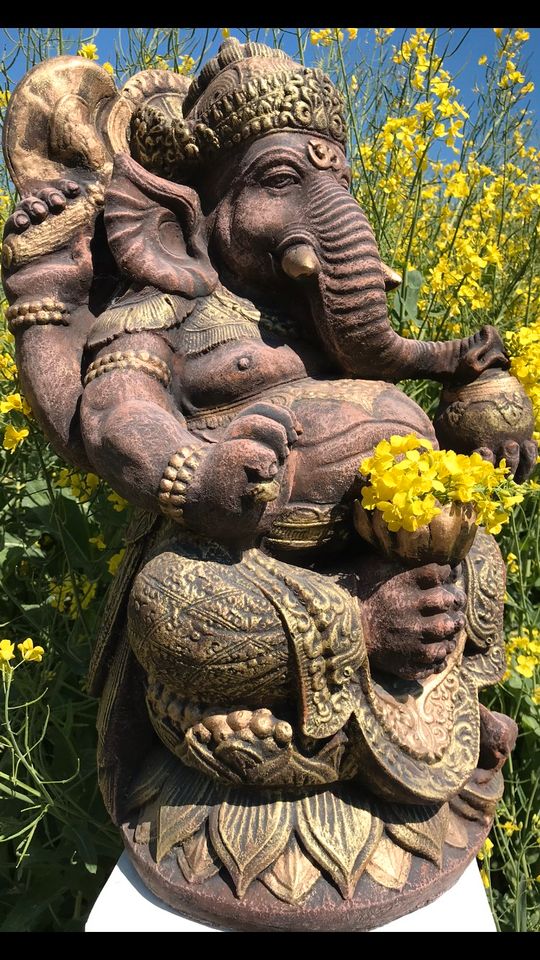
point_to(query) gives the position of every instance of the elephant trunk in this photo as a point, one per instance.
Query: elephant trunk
(347, 287)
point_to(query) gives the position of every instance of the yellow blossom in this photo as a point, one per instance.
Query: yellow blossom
(525, 666)
(485, 852)
(73, 591)
(482, 60)
(407, 481)
(98, 542)
(7, 652)
(353, 32)
(510, 827)
(225, 32)
(186, 65)
(83, 486)
(30, 652)
(511, 562)
(4, 98)
(89, 51)
(8, 368)
(522, 35)
(15, 402)
(13, 437)
(118, 502)
(115, 561)
(497, 31)
(108, 67)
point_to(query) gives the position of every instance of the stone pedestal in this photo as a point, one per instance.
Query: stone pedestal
(125, 905)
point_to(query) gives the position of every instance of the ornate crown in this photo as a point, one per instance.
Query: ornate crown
(247, 90)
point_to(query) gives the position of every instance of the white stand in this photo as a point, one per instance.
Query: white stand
(125, 905)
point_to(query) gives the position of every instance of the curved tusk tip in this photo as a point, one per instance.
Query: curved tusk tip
(392, 278)
(300, 261)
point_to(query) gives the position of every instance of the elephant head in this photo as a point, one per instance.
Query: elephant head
(262, 201)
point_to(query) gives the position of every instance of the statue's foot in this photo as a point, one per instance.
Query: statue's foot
(259, 727)
(498, 735)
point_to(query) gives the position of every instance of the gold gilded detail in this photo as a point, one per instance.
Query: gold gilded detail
(136, 313)
(249, 836)
(485, 574)
(139, 360)
(303, 528)
(421, 830)
(390, 864)
(324, 156)
(341, 833)
(54, 232)
(196, 858)
(289, 98)
(422, 725)
(293, 875)
(326, 633)
(37, 312)
(176, 478)
(362, 393)
(287, 841)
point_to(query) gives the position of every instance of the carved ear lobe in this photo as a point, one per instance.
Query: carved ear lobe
(155, 231)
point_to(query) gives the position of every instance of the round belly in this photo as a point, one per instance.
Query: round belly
(235, 371)
(342, 421)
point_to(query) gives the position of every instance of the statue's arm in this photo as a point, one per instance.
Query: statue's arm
(47, 276)
(130, 425)
(137, 439)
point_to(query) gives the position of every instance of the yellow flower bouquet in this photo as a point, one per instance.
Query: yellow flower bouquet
(424, 505)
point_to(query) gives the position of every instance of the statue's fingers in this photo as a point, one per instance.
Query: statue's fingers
(35, 209)
(260, 463)
(432, 653)
(55, 200)
(441, 627)
(436, 600)
(510, 452)
(440, 600)
(18, 222)
(486, 453)
(279, 414)
(70, 188)
(527, 460)
(262, 430)
(431, 574)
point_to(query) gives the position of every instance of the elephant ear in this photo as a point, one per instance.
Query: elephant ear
(156, 233)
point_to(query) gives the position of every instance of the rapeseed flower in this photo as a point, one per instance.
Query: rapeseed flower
(13, 437)
(88, 51)
(408, 481)
(30, 652)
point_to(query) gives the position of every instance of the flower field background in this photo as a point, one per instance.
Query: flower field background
(449, 180)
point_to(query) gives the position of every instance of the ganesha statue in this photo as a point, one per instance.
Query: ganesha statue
(290, 736)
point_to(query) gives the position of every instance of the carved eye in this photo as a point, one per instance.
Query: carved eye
(280, 179)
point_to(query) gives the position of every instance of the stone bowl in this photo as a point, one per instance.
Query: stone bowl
(446, 539)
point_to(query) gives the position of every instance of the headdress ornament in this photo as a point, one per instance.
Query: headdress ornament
(247, 90)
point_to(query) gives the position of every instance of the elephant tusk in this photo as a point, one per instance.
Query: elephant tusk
(392, 278)
(300, 261)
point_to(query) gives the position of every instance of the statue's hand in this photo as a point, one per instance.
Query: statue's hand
(411, 617)
(520, 457)
(243, 480)
(485, 351)
(37, 207)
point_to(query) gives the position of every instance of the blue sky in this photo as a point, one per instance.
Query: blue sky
(467, 44)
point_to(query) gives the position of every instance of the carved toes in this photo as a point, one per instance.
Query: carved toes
(248, 725)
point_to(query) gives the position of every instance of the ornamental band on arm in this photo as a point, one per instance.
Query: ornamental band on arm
(289, 732)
